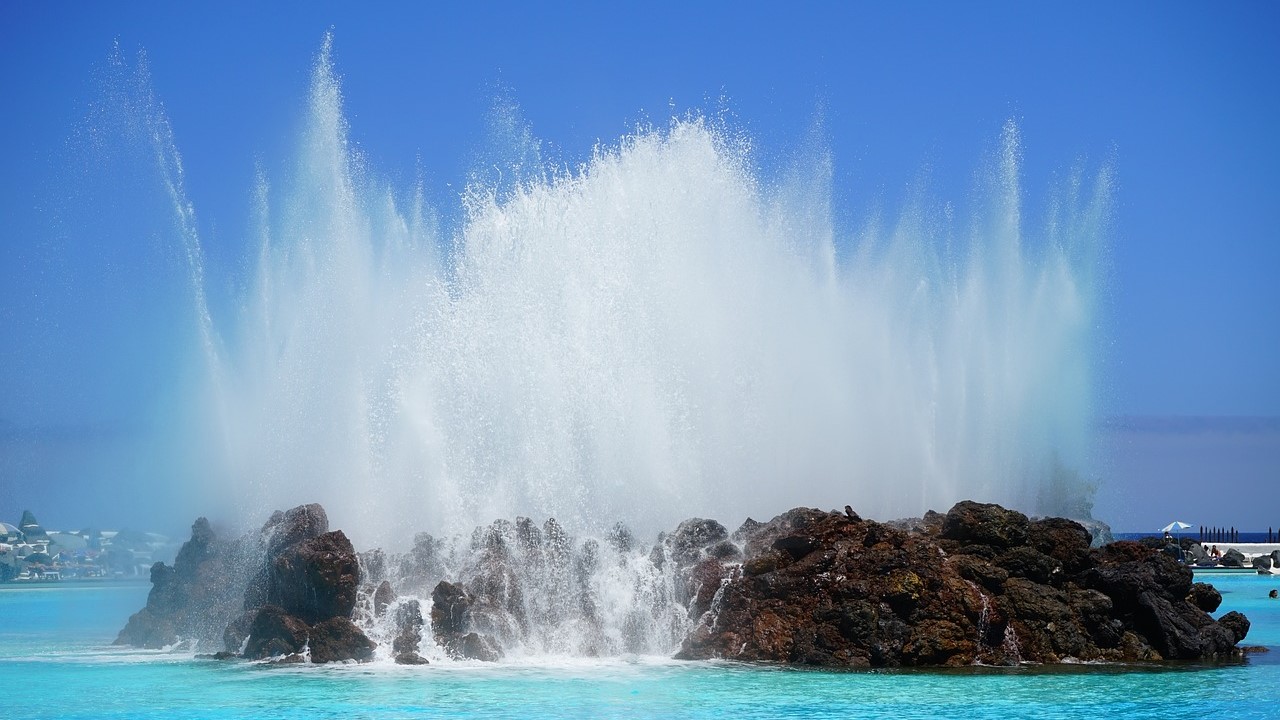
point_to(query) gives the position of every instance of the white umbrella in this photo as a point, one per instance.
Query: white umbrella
(1175, 525)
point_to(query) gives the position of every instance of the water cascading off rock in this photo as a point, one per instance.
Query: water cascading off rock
(660, 332)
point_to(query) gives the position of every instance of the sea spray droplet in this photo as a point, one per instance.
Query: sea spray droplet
(653, 336)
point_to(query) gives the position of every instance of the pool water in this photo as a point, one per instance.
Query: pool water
(56, 657)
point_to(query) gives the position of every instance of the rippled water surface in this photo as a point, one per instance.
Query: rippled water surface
(57, 660)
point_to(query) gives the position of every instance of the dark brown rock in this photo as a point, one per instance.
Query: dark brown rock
(316, 579)
(450, 610)
(408, 627)
(475, 646)
(383, 596)
(687, 544)
(274, 632)
(338, 640)
(1205, 596)
(990, 586)
(985, 524)
(1066, 541)
(451, 621)
(288, 528)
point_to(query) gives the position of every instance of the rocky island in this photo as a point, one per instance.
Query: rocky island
(980, 584)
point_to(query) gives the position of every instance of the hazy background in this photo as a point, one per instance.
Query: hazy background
(1179, 96)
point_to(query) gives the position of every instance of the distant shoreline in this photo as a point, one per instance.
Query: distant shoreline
(11, 584)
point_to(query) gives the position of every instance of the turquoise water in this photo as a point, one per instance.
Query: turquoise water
(57, 662)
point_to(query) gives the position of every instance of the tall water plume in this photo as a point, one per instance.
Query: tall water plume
(656, 334)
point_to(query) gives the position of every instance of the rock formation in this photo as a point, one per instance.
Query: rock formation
(287, 590)
(452, 622)
(193, 600)
(1233, 558)
(987, 586)
(980, 584)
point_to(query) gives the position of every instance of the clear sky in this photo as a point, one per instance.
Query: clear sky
(1181, 97)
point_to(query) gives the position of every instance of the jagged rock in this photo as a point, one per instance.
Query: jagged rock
(704, 582)
(930, 524)
(1233, 558)
(991, 586)
(797, 546)
(1066, 541)
(475, 646)
(979, 570)
(272, 592)
(288, 528)
(725, 551)
(451, 617)
(337, 639)
(383, 596)
(1237, 623)
(1262, 562)
(1029, 563)
(409, 627)
(687, 543)
(194, 599)
(275, 632)
(985, 524)
(747, 527)
(237, 631)
(450, 610)
(373, 566)
(316, 579)
(1205, 596)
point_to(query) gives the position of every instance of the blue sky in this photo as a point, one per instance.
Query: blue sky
(1181, 97)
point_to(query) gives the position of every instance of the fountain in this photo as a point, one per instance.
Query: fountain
(659, 333)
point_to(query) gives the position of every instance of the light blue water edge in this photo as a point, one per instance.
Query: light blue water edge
(56, 657)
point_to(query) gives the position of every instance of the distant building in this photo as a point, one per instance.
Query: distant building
(31, 529)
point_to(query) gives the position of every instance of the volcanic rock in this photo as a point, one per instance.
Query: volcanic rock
(316, 579)
(383, 596)
(338, 639)
(985, 524)
(1196, 552)
(291, 527)
(1233, 558)
(688, 543)
(274, 632)
(451, 620)
(272, 593)
(194, 599)
(1205, 596)
(991, 586)
(408, 618)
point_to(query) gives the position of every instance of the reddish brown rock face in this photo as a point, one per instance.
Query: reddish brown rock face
(291, 585)
(316, 579)
(984, 585)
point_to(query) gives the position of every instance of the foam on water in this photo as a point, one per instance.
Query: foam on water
(657, 334)
(64, 674)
